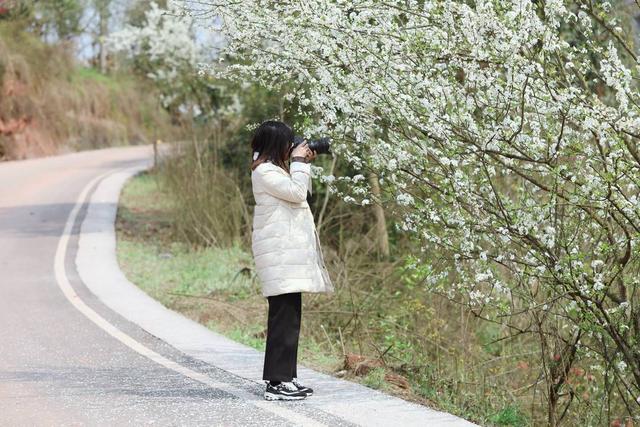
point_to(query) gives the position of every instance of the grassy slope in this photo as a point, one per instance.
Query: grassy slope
(66, 106)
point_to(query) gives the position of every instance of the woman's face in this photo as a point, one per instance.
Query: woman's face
(289, 150)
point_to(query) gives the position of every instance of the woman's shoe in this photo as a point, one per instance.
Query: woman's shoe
(307, 390)
(283, 391)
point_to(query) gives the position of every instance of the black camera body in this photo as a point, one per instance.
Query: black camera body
(320, 146)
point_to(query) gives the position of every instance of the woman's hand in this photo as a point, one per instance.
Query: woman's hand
(311, 156)
(301, 150)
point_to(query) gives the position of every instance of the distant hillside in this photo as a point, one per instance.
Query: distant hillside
(50, 104)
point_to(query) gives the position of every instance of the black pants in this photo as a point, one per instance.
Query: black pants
(283, 331)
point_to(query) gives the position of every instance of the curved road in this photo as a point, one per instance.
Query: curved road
(57, 367)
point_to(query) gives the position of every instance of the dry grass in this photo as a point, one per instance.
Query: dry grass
(65, 107)
(209, 209)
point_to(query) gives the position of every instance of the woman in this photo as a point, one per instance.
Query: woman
(286, 249)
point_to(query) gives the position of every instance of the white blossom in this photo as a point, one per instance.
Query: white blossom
(404, 199)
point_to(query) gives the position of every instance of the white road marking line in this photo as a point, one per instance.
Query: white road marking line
(64, 285)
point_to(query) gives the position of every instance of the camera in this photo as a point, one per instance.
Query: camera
(320, 146)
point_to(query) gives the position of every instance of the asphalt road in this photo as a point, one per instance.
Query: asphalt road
(68, 359)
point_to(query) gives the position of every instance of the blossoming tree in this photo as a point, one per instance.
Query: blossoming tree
(165, 49)
(504, 131)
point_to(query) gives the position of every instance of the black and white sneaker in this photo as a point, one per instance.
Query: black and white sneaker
(283, 391)
(305, 389)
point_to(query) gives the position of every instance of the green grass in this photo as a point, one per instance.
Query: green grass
(510, 416)
(142, 190)
(178, 269)
(91, 74)
(375, 379)
(162, 267)
(318, 354)
(248, 335)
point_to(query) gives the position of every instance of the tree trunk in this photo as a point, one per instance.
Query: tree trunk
(103, 11)
(382, 238)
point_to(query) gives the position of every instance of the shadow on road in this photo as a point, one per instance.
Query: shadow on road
(41, 220)
(141, 382)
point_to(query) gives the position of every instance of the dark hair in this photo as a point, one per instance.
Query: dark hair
(273, 141)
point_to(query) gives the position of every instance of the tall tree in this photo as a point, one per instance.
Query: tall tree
(59, 19)
(104, 13)
(135, 13)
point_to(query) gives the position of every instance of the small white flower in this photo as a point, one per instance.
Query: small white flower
(475, 295)
(349, 199)
(481, 277)
(404, 199)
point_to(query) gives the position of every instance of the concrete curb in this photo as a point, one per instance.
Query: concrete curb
(98, 268)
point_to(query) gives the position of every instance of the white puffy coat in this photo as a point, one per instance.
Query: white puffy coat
(284, 240)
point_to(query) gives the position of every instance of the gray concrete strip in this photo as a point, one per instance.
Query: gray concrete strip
(98, 268)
